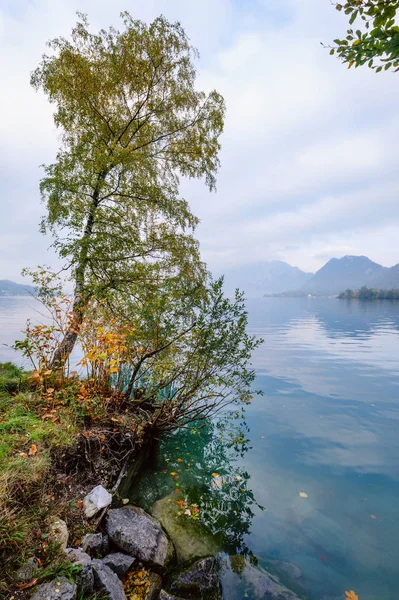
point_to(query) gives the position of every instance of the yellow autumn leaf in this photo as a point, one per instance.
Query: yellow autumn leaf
(351, 595)
(303, 495)
(32, 450)
(215, 475)
(179, 460)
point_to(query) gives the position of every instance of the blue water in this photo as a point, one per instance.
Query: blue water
(327, 427)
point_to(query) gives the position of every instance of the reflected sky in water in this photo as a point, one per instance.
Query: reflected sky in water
(328, 426)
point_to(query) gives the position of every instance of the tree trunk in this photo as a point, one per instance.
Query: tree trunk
(81, 294)
(69, 340)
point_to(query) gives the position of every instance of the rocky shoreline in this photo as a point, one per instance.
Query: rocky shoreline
(137, 556)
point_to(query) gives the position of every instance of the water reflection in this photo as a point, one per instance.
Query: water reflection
(205, 466)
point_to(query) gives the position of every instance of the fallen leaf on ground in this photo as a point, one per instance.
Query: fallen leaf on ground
(25, 586)
(32, 450)
(125, 501)
(303, 494)
(79, 504)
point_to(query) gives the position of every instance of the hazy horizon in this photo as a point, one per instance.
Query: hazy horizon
(309, 168)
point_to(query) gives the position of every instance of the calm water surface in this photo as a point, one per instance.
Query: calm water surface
(327, 426)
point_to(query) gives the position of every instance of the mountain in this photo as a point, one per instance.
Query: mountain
(10, 288)
(266, 277)
(389, 279)
(338, 274)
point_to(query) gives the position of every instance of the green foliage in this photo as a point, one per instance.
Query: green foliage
(187, 361)
(132, 123)
(376, 42)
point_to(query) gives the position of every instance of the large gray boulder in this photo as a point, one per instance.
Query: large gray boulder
(199, 581)
(98, 499)
(59, 589)
(84, 579)
(107, 582)
(119, 563)
(140, 535)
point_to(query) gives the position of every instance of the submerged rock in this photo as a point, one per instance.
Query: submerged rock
(140, 535)
(59, 589)
(166, 596)
(97, 499)
(107, 582)
(119, 563)
(288, 568)
(253, 583)
(190, 538)
(199, 581)
(84, 579)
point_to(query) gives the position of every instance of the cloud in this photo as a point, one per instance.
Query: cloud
(309, 151)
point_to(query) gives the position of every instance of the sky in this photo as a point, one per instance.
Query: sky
(309, 160)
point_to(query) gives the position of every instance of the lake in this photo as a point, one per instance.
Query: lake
(323, 453)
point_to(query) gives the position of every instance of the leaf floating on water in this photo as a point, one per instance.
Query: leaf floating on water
(373, 517)
(323, 558)
(303, 495)
(351, 595)
(215, 475)
(125, 501)
(179, 460)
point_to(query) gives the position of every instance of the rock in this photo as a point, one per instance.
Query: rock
(97, 499)
(119, 563)
(289, 569)
(255, 583)
(85, 579)
(59, 589)
(28, 571)
(155, 587)
(190, 538)
(140, 535)
(58, 532)
(166, 596)
(107, 582)
(198, 581)
(95, 544)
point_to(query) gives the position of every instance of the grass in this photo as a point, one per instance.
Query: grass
(56, 443)
(27, 444)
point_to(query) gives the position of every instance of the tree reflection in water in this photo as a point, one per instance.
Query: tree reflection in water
(202, 465)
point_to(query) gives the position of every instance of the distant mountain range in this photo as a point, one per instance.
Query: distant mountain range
(260, 278)
(10, 288)
(278, 277)
(338, 274)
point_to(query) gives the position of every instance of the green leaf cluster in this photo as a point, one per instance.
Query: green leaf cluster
(376, 42)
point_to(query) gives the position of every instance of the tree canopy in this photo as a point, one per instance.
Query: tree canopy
(376, 41)
(132, 123)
